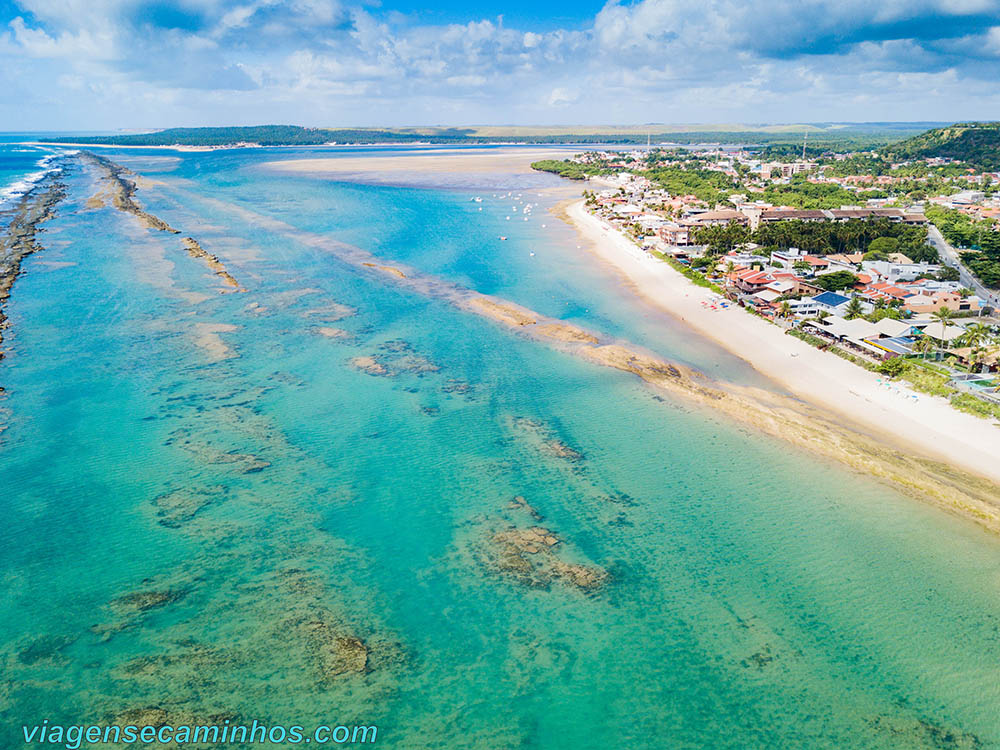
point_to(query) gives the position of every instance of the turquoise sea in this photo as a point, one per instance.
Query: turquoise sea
(216, 507)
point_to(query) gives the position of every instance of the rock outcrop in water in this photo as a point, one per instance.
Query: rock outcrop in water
(207, 452)
(195, 250)
(121, 189)
(20, 239)
(395, 357)
(533, 556)
(529, 556)
(176, 508)
(128, 610)
(544, 439)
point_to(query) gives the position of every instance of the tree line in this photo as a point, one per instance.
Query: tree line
(820, 237)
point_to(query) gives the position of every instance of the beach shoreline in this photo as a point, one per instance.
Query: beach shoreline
(926, 424)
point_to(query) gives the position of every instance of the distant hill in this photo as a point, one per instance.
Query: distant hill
(977, 143)
(821, 136)
(265, 135)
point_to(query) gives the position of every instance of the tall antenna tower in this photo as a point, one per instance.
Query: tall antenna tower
(805, 138)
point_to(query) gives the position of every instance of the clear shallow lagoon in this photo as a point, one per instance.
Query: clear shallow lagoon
(212, 535)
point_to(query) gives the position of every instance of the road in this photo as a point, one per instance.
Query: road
(949, 256)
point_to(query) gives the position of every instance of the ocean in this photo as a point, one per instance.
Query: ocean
(334, 499)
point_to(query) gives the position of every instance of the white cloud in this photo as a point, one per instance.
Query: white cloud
(652, 60)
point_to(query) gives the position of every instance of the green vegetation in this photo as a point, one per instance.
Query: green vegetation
(265, 135)
(977, 143)
(823, 136)
(708, 185)
(569, 169)
(981, 237)
(836, 281)
(893, 367)
(855, 235)
(934, 381)
(986, 266)
(881, 248)
(698, 278)
(821, 237)
(801, 193)
(825, 345)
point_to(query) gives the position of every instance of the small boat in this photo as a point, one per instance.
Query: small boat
(502, 237)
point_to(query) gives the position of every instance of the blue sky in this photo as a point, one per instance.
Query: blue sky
(106, 64)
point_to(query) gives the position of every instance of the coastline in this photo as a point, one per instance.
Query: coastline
(784, 417)
(965, 491)
(926, 425)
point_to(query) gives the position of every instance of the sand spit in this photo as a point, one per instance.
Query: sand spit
(501, 311)
(888, 457)
(20, 239)
(120, 190)
(505, 161)
(195, 250)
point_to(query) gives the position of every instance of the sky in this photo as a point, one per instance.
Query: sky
(121, 64)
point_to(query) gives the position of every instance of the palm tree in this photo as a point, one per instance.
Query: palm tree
(976, 356)
(785, 310)
(854, 309)
(943, 315)
(975, 335)
(923, 345)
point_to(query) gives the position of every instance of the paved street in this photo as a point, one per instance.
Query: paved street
(950, 257)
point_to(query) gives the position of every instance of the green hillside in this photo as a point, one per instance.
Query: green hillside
(977, 143)
(788, 137)
(265, 135)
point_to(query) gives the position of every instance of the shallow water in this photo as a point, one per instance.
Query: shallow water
(252, 482)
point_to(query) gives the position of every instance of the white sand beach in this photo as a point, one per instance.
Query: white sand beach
(903, 418)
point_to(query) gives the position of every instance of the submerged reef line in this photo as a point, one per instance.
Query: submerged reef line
(195, 250)
(19, 240)
(122, 191)
(779, 416)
